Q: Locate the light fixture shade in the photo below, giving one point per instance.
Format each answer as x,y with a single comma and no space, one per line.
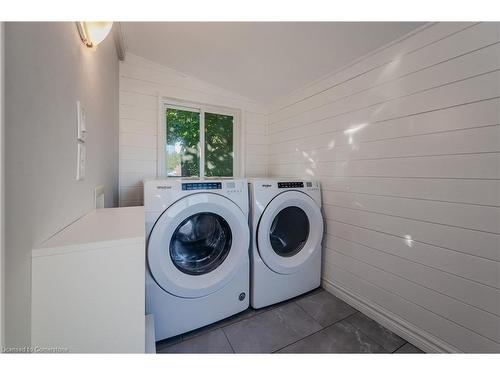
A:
93,33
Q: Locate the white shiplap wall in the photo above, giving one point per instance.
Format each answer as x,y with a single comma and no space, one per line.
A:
406,144
142,82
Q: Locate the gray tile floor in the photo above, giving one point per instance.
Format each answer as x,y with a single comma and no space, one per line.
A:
316,322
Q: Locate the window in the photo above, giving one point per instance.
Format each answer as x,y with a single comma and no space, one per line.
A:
183,137
197,142
218,145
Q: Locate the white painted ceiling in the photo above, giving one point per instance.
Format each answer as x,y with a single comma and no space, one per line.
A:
260,60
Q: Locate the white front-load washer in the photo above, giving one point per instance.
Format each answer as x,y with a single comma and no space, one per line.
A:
287,230
197,252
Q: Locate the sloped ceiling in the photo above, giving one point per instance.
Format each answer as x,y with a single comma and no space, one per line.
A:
260,60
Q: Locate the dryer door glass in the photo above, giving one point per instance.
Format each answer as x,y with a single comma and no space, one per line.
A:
200,243
289,231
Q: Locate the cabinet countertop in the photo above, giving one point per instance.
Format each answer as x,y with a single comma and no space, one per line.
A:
97,229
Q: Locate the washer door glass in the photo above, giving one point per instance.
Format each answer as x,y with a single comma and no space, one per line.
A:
289,231
200,243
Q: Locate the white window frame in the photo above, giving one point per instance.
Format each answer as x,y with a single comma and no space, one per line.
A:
165,103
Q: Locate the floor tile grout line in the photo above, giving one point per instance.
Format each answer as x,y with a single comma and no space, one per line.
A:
227,338
322,329
305,309
320,322
399,347
192,338
296,341
373,338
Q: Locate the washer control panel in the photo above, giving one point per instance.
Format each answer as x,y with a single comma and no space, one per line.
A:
201,186
290,185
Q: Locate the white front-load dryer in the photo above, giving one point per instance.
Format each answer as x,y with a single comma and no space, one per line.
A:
197,252
287,230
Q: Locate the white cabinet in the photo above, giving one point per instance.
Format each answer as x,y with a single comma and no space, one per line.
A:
88,285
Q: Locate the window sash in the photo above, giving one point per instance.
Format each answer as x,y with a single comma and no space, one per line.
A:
202,109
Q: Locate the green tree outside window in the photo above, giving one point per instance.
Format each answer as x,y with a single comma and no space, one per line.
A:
182,144
183,137
218,145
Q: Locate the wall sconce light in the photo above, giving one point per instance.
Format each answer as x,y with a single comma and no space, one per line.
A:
93,33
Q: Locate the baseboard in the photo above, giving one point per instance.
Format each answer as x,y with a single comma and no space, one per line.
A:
411,333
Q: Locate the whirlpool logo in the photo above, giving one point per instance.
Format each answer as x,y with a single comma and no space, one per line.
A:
164,187
266,185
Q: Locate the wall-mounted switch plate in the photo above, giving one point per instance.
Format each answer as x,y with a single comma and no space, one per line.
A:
81,156
81,132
